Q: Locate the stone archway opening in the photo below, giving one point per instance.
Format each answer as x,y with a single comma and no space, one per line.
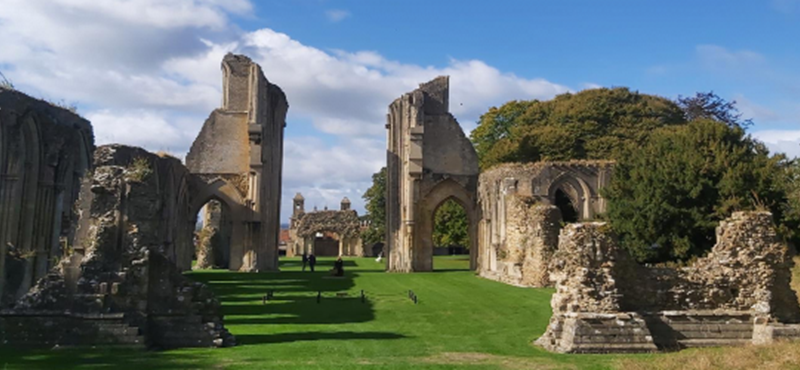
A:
450,236
569,213
326,244
213,235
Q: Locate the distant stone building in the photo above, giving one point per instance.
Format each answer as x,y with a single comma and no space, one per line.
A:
239,155
326,232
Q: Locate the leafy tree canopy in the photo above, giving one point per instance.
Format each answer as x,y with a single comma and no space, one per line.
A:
450,225
668,195
591,124
375,198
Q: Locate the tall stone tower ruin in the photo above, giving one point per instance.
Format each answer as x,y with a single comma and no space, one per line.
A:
239,155
429,161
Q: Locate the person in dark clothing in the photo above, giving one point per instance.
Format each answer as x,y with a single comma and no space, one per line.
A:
312,260
338,267
305,261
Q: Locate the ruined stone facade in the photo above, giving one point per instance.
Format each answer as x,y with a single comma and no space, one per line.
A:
239,154
429,160
44,152
522,215
122,283
605,302
306,228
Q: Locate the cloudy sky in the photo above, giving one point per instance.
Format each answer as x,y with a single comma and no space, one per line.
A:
146,72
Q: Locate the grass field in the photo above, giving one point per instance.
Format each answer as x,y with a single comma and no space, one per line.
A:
461,321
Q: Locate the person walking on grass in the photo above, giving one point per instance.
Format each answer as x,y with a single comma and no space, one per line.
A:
312,260
305,260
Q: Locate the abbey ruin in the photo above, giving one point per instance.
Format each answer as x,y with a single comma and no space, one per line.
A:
429,160
94,246
94,241
239,156
604,301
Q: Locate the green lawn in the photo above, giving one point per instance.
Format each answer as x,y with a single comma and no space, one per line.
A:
461,321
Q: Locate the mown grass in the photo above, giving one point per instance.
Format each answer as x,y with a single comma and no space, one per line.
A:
460,322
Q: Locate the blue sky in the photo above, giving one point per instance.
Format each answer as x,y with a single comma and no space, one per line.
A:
146,72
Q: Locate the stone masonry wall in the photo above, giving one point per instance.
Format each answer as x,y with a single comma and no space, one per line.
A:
504,237
531,240
604,302
134,232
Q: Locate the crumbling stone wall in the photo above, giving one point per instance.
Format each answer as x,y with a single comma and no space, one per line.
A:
531,239
44,152
520,220
133,241
429,160
604,302
241,146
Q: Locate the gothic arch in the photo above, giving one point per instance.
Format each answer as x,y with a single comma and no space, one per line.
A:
227,194
579,193
438,195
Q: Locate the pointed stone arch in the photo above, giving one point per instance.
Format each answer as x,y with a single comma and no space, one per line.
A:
579,193
443,191
226,193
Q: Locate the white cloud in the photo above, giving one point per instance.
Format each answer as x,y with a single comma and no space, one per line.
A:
750,110
716,57
147,73
781,141
785,6
337,15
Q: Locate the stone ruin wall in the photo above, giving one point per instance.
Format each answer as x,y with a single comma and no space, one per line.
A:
241,145
604,302
44,152
429,160
123,284
518,232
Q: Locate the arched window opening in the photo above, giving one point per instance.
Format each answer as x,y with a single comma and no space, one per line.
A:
569,213
326,244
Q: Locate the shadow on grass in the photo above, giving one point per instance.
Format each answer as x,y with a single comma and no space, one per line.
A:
96,358
252,339
294,299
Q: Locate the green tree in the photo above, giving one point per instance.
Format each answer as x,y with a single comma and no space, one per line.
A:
450,225
667,196
591,124
710,106
375,205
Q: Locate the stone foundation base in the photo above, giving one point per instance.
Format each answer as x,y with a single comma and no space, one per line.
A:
631,332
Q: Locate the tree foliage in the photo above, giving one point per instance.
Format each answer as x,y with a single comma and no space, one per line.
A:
707,105
591,124
667,196
682,165
375,205
450,225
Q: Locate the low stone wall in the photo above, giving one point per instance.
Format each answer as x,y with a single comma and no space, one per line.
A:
605,302
126,265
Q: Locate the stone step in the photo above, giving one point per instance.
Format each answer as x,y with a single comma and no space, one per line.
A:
612,339
615,348
696,343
